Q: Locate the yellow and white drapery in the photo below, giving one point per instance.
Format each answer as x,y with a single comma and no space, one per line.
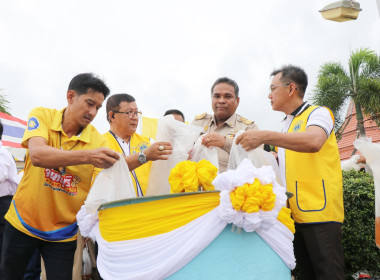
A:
154,239
274,226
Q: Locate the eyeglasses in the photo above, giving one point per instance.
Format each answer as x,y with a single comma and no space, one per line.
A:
272,87
130,114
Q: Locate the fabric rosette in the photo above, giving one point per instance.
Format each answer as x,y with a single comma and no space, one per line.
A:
188,176
251,198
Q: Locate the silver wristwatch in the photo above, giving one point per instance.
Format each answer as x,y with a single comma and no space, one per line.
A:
141,158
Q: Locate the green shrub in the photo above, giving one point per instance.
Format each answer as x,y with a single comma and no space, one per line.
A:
360,251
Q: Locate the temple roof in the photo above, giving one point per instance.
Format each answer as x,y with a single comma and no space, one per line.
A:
345,144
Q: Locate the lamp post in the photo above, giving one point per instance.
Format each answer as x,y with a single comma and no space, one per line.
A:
341,11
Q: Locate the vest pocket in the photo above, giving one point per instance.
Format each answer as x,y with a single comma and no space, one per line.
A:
311,195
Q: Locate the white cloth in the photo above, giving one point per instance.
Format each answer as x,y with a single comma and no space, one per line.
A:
351,164
258,157
319,117
371,152
8,173
111,184
265,223
182,137
280,239
200,152
157,257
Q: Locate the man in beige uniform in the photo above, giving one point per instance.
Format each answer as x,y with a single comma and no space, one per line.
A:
223,125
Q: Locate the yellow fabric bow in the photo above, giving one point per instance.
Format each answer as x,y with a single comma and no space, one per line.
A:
285,218
253,197
187,176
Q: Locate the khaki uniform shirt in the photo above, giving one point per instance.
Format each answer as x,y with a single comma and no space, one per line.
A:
228,129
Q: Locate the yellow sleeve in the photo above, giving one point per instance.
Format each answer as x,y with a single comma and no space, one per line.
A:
37,126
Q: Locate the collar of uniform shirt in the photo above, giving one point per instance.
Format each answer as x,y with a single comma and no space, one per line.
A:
230,121
298,110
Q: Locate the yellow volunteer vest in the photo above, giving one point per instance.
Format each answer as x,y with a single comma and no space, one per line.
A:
137,144
315,179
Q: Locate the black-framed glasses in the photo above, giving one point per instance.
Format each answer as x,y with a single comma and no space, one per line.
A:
130,114
272,87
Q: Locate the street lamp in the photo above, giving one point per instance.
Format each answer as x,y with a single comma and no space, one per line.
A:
341,11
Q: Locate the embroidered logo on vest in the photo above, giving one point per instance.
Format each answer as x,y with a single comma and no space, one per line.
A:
140,147
297,126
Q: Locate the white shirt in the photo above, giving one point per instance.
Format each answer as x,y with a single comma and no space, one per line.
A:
125,146
8,173
319,117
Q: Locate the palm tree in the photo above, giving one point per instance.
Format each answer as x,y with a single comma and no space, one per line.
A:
361,84
4,104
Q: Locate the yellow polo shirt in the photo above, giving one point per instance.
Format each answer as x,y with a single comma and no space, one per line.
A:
47,200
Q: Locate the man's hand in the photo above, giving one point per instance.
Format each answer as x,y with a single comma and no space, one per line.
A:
309,141
45,156
274,154
361,159
103,157
158,151
213,139
251,139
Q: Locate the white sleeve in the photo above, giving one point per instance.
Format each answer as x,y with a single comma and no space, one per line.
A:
321,117
4,167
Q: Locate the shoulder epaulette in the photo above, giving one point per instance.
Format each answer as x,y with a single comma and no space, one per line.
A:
245,121
201,116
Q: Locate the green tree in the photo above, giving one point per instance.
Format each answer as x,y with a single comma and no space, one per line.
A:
361,84
4,104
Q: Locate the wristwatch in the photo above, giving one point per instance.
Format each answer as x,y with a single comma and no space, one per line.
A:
141,158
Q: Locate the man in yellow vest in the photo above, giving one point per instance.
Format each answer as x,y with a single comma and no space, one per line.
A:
310,167
139,151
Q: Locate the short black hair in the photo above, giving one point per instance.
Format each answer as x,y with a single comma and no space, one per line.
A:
84,82
227,81
113,102
174,112
293,74
1,130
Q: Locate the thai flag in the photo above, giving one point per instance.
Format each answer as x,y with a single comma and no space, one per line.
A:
13,130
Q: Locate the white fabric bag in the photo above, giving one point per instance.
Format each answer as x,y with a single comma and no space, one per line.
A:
371,152
182,137
86,264
200,152
258,157
351,164
111,184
